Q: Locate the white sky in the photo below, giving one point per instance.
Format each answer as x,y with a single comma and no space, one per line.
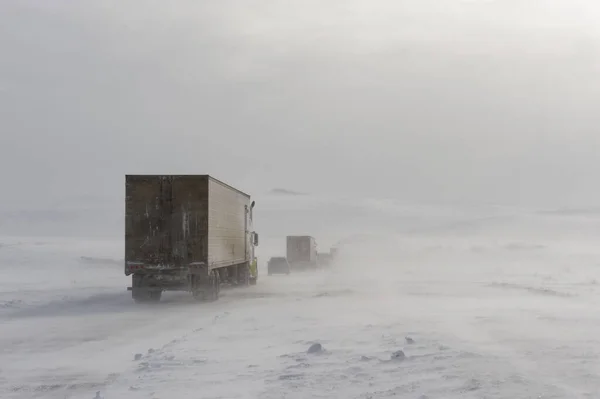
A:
495,101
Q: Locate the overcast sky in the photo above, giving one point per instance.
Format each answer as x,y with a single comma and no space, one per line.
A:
495,101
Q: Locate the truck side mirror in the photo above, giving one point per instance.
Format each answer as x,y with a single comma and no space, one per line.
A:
255,239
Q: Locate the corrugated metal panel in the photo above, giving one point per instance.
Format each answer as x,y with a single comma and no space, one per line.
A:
189,218
146,238
227,228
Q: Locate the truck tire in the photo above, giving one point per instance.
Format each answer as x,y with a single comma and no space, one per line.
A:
196,289
244,275
138,295
142,295
218,282
140,292
214,282
155,296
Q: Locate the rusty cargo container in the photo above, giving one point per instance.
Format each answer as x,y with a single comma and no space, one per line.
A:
301,252
187,233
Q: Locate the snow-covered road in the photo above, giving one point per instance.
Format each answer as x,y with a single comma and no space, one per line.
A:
490,318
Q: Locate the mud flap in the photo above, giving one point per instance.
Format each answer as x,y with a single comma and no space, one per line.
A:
206,288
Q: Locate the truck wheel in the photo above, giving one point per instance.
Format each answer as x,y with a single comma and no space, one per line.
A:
197,293
214,282
198,290
138,296
141,295
244,275
217,283
154,296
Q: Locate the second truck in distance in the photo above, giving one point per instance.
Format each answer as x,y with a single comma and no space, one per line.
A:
301,252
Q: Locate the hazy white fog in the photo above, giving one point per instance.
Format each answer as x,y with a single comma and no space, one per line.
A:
478,101
450,147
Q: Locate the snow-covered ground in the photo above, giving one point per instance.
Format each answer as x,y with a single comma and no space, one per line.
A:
499,303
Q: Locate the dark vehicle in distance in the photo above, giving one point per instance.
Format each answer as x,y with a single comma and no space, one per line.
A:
278,265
